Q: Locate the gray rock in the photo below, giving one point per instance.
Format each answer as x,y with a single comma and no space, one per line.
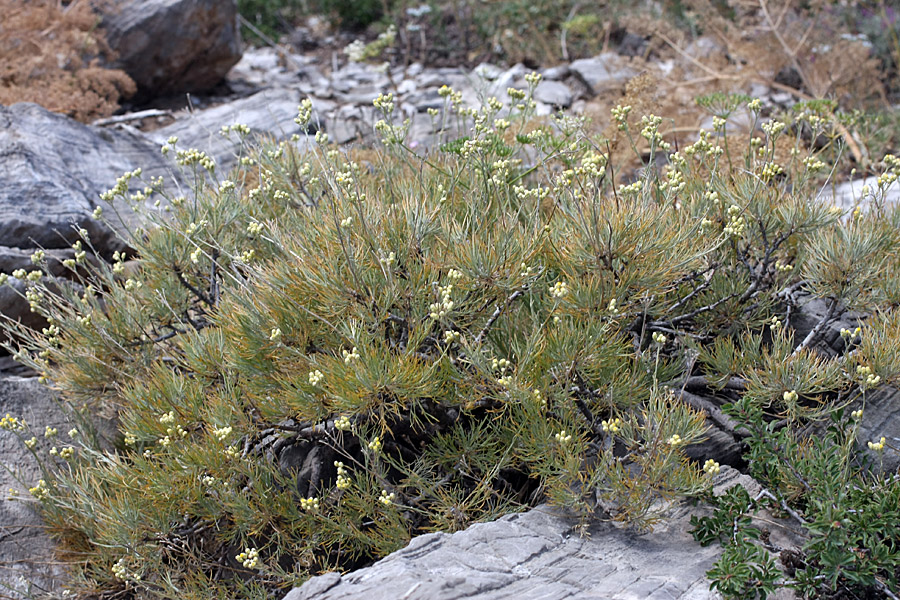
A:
426,99
438,77
20,258
604,71
541,555
739,122
809,312
632,45
349,123
15,307
53,172
361,94
848,194
487,71
26,551
407,86
553,93
268,67
530,556
270,112
881,417
174,46
556,73
704,47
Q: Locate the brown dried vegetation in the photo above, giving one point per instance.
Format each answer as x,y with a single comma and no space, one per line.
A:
52,53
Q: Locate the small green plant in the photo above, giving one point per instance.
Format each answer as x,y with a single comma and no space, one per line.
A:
325,352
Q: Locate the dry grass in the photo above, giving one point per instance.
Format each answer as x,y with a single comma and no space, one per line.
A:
51,53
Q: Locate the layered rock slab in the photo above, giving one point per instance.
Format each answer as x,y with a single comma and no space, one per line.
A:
52,172
537,555
26,550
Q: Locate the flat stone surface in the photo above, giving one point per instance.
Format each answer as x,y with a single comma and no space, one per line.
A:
604,71
536,555
554,93
270,112
26,551
540,555
849,194
52,172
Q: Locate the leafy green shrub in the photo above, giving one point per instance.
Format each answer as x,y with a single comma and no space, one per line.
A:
326,352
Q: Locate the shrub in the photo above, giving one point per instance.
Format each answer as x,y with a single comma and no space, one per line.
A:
51,55
326,352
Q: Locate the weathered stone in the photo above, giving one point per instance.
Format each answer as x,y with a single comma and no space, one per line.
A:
270,112
26,551
810,311
604,71
15,307
53,172
739,122
174,46
881,417
487,71
848,194
20,258
556,73
426,99
539,555
553,93
268,67
350,123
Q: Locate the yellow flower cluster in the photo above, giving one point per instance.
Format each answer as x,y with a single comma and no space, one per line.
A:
711,467
559,289
309,504
877,446
343,481
620,116
250,557
612,426
386,498
650,131
192,156
12,423
870,379
222,433
736,223
440,309
40,491
120,571
563,438
315,377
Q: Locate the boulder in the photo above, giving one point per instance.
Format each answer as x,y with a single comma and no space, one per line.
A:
53,172
603,72
173,46
26,551
269,112
554,93
849,194
539,554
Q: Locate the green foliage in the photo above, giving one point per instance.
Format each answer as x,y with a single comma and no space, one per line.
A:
847,516
325,352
